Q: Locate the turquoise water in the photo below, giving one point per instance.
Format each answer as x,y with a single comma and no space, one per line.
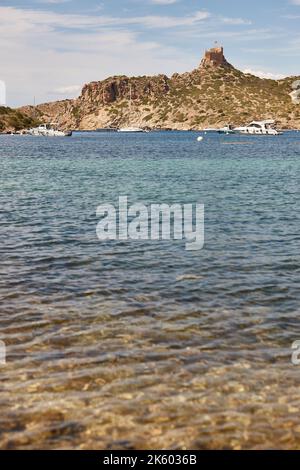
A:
144,344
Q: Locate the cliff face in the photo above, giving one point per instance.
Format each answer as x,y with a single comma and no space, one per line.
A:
214,94
114,89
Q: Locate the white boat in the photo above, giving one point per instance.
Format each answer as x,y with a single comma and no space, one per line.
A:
130,128
46,130
227,130
210,129
259,128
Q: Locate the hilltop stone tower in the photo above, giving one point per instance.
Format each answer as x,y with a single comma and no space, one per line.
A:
214,58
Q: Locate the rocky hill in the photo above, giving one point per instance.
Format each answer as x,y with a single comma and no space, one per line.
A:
214,94
14,120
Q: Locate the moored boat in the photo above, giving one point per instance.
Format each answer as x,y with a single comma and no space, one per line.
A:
227,130
46,130
266,127
210,129
130,129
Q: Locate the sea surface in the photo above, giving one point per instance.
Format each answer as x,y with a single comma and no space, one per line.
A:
142,344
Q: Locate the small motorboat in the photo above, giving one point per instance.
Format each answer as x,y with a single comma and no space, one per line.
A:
259,128
130,129
47,130
210,129
227,130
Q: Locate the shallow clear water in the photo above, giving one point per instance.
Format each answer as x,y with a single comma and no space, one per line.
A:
143,344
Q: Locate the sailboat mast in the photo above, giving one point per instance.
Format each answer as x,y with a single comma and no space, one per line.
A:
34,108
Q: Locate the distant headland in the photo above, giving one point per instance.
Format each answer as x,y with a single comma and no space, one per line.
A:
213,94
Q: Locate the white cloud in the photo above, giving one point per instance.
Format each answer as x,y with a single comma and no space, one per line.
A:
45,50
235,21
262,74
69,90
292,17
170,21
14,20
53,2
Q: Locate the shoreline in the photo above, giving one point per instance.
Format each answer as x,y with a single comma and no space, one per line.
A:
151,130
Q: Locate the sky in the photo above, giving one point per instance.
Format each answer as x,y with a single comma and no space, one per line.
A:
51,48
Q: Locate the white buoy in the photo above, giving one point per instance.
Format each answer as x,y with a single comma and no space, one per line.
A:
200,138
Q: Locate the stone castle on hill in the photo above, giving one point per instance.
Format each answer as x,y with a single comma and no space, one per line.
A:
212,95
214,57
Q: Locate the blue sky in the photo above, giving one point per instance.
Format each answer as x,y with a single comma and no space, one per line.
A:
50,48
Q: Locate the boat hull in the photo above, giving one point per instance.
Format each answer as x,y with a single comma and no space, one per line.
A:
131,130
259,128
49,133
259,132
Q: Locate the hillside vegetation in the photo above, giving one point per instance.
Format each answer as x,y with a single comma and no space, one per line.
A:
214,94
14,120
